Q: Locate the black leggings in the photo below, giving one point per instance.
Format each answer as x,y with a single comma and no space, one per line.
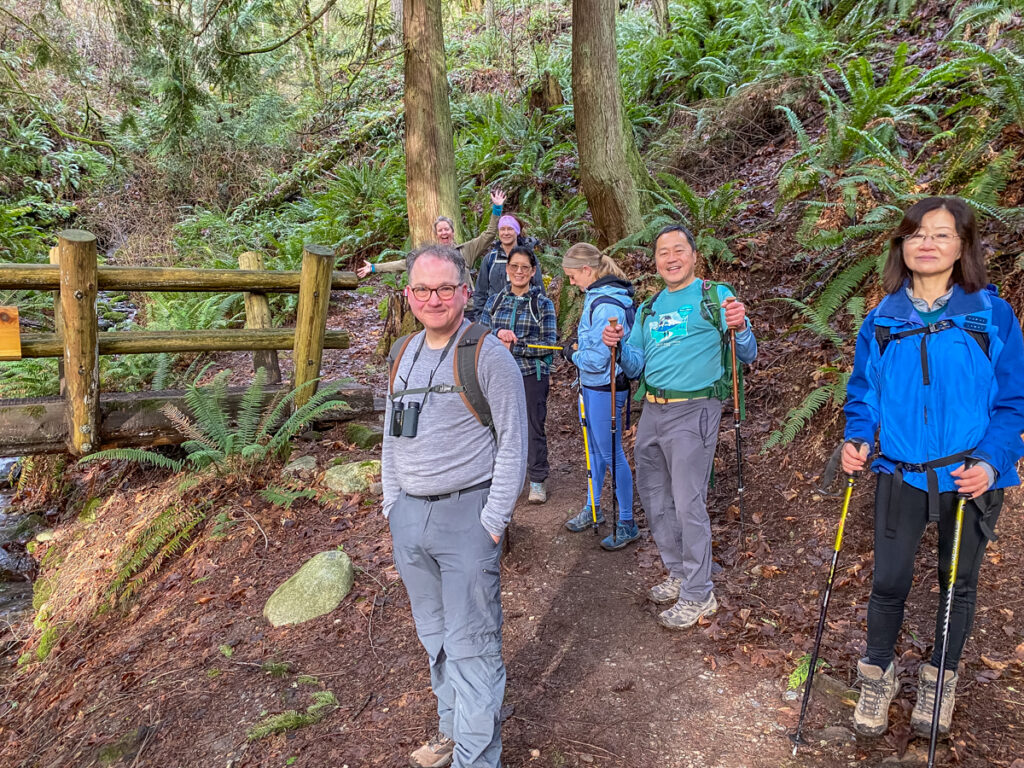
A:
894,567
536,414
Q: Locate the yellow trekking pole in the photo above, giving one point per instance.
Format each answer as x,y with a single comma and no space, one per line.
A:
542,346
590,472
797,741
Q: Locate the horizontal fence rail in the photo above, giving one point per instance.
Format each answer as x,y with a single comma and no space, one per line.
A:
152,342
46,277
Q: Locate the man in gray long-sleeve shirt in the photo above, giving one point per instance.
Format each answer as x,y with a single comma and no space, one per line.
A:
449,492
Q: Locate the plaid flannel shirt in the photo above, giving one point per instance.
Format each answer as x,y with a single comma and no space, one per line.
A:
532,319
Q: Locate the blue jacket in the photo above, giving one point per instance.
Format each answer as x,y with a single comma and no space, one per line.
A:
971,401
593,358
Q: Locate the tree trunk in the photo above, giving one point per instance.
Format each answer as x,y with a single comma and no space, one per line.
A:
396,17
430,185
546,93
661,18
604,144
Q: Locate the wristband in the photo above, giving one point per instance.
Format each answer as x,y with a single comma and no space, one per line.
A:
373,267
495,210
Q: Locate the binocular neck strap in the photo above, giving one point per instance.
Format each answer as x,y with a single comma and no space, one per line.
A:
431,387
441,388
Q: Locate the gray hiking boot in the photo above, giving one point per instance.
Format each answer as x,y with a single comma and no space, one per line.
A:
666,592
921,717
583,520
538,493
436,753
686,613
871,717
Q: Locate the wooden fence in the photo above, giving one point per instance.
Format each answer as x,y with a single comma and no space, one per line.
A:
82,419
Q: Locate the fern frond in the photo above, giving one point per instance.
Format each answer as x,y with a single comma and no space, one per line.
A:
137,455
251,408
797,418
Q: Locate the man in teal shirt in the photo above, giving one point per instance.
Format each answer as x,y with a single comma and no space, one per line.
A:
678,350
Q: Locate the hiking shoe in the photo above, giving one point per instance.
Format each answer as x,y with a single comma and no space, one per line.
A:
583,520
538,493
921,717
871,717
666,592
436,753
625,533
686,613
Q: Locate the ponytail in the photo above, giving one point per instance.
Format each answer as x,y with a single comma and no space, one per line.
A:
587,255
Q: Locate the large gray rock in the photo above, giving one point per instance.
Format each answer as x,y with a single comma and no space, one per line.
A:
315,589
354,477
304,465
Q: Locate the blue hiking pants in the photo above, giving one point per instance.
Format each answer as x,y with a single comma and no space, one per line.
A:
598,408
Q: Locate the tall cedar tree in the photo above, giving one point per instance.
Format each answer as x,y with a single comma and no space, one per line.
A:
604,143
431,190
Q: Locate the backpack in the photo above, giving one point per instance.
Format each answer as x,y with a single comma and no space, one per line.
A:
710,310
464,365
629,309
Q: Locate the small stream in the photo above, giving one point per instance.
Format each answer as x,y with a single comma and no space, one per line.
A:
16,565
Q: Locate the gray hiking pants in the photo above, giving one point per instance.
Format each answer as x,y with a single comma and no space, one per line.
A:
449,564
675,447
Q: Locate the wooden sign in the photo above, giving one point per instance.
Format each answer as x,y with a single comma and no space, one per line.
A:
10,335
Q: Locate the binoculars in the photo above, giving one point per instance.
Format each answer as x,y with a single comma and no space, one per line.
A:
405,419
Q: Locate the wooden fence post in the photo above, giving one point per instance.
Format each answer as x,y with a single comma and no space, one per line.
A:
257,315
311,318
78,287
58,321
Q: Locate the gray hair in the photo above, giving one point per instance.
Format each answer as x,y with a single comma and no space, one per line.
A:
443,252
439,219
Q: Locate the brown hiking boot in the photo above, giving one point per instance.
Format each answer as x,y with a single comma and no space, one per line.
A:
436,753
921,717
871,717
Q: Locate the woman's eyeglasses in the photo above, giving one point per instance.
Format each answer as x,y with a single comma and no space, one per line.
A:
519,267
942,238
444,292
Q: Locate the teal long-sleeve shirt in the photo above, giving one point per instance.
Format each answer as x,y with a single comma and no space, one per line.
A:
677,348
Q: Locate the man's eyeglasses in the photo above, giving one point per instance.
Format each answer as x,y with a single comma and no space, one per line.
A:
444,292
942,238
519,267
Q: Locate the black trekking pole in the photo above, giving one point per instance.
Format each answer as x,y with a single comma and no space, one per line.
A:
797,741
958,527
613,321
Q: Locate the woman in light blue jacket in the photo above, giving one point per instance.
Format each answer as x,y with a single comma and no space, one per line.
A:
607,294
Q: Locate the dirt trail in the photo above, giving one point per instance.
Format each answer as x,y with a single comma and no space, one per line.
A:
592,675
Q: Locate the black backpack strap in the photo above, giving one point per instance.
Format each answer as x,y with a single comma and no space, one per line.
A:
884,334
629,309
394,355
467,357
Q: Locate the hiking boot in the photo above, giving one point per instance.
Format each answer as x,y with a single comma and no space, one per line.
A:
921,717
538,493
666,592
583,520
436,753
871,717
625,533
686,613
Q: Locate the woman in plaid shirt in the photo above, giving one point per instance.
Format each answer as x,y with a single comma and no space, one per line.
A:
521,314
